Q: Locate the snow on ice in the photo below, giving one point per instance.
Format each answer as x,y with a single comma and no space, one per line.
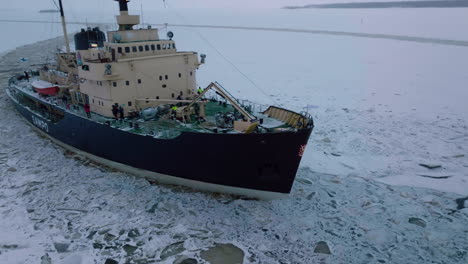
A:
381,108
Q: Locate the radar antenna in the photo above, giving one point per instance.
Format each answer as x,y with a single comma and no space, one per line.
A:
126,21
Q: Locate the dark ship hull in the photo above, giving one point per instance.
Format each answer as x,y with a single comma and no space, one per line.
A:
262,165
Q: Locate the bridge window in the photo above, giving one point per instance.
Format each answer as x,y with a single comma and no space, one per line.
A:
127,83
146,48
134,49
114,84
160,78
119,50
167,77
129,103
180,75
85,67
140,48
139,80
153,47
127,49
159,46
173,45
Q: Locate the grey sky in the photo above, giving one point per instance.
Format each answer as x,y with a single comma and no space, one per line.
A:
81,4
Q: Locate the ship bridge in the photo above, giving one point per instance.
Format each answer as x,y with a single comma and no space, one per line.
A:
134,64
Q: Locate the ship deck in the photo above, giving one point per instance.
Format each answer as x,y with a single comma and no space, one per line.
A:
158,128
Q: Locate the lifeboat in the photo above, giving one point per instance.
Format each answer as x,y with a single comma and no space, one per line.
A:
45,88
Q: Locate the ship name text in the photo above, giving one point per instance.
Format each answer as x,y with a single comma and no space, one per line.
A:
40,124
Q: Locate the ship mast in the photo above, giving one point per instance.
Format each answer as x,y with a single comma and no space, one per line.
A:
64,26
126,21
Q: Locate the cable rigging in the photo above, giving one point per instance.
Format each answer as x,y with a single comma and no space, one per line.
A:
220,53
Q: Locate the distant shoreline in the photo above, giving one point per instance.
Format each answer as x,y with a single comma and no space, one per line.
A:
391,4
48,11
8,9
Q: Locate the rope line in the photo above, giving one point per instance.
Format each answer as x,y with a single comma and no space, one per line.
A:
222,56
56,5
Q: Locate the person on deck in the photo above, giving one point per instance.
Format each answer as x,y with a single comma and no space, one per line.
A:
200,90
174,111
121,112
115,111
65,100
87,110
26,75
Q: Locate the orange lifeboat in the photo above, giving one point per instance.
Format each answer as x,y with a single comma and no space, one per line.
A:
45,88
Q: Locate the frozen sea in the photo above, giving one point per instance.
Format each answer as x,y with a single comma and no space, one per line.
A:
382,106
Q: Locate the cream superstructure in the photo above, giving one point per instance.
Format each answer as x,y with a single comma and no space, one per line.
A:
135,69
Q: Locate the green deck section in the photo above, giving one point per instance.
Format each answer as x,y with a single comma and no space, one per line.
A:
212,108
158,128
168,128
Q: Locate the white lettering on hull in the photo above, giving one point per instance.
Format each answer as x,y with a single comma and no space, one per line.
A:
40,124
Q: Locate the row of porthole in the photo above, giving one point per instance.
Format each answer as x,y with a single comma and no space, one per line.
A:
167,77
127,83
130,103
172,95
151,47
102,103
99,103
